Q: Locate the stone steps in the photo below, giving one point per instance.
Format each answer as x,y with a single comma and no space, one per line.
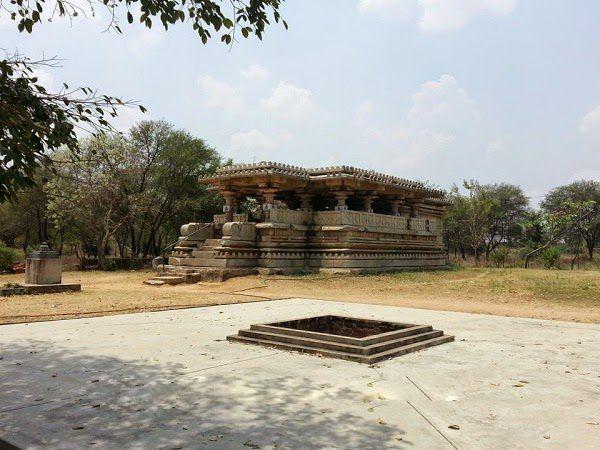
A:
366,359
181,274
411,330
165,279
350,338
318,344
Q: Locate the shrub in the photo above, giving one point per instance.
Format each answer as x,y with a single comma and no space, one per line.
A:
7,257
109,265
551,257
499,257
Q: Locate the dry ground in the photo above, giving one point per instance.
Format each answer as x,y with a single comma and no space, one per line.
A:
544,294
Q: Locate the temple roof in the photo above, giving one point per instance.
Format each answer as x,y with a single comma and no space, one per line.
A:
282,174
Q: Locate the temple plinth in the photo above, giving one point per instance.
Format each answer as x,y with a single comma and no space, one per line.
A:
333,218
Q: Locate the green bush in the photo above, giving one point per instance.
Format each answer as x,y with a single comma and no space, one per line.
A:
500,256
109,265
551,257
7,257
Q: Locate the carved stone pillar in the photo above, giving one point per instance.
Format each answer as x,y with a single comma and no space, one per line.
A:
341,197
395,206
237,204
367,202
229,205
414,210
305,202
268,195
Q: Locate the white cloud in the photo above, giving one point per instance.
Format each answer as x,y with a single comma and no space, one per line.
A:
145,39
448,15
363,112
590,123
442,115
289,101
256,145
437,16
590,129
496,146
219,94
255,72
390,9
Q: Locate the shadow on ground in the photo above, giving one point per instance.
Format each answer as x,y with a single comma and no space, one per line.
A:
64,397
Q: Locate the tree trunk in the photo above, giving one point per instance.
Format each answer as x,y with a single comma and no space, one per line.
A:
590,244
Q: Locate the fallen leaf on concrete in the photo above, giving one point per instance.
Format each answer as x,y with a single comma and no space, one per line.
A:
518,385
381,422
546,436
593,423
454,427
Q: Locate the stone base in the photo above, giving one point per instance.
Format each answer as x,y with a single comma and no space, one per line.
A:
177,274
34,289
360,340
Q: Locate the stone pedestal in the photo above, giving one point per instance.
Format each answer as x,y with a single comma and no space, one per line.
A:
43,266
43,274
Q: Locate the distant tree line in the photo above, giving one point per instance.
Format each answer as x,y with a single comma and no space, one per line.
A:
486,221
121,194
127,196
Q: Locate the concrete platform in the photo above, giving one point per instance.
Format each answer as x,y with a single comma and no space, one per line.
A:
170,380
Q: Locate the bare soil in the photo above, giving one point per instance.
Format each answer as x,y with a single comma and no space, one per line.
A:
544,294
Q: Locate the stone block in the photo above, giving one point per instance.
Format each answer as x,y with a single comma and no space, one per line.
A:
242,231
43,266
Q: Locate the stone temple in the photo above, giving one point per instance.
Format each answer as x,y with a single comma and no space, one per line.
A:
279,218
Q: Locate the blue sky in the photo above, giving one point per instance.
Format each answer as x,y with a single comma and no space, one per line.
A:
438,90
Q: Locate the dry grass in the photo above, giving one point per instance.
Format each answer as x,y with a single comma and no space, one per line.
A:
561,295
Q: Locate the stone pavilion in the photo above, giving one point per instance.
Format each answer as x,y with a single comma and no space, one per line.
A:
279,218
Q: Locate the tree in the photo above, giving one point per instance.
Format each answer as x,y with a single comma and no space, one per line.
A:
160,184
34,122
560,200
134,191
490,215
566,225
84,196
24,220
205,16
507,211
454,223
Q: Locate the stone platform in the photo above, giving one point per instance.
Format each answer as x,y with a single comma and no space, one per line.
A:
170,379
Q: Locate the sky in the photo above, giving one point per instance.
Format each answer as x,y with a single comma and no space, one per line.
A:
435,90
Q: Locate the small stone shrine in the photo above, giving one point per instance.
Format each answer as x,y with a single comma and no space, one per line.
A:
43,274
